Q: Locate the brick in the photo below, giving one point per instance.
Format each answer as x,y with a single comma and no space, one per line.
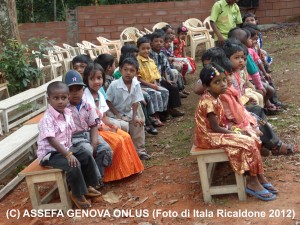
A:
143,20
160,13
103,22
279,5
285,12
274,12
90,23
98,29
130,21
155,20
116,21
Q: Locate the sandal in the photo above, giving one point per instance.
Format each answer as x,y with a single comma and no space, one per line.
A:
269,187
80,204
284,149
92,192
273,110
260,194
158,123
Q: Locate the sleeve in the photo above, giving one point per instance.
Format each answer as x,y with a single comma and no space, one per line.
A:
102,91
239,16
207,106
46,128
138,96
110,93
93,117
215,11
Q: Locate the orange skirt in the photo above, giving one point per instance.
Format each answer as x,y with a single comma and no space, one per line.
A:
125,160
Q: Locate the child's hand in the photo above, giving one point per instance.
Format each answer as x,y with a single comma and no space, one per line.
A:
73,162
171,59
253,101
170,82
137,122
155,87
268,77
118,116
95,144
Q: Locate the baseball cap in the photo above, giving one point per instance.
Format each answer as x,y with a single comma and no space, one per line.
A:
73,78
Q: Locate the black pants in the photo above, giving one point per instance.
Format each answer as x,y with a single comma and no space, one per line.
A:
79,178
174,97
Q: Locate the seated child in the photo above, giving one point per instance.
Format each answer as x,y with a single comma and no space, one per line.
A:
123,97
86,121
163,66
211,133
149,77
55,146
107,62
125,160
179,50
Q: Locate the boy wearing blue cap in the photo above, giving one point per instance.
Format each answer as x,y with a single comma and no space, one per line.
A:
86,119
55,147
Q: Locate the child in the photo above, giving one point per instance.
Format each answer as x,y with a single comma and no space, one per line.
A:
211,133
180,67
79,63
55,146
149,77
107,62
126,50
179,50
86,121
250,18
225,15
125,160
166,73
123,97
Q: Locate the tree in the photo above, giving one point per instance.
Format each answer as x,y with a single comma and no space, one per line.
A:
8,21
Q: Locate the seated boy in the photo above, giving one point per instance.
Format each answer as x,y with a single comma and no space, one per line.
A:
55,147
86,119
123,97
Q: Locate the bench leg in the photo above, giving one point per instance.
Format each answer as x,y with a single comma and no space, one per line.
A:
63,190
204,179
5,121
33,192
240,183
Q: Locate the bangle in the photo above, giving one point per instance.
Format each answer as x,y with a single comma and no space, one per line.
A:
237,130
69,154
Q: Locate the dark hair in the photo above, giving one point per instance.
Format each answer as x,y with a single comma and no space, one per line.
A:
90,70
82,59
142,40
131,61
56,85
159,33
129,49
165,28
209,71
239,34
182,29
212,52
231,46
169,37
247,15
250,30
105,60
250,25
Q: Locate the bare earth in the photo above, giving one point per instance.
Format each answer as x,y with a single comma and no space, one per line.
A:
169,191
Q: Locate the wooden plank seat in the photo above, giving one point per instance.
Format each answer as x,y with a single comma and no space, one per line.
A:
207,159
21,107
36,174
17,148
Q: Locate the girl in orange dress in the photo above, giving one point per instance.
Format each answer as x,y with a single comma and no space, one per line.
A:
211,132
125,161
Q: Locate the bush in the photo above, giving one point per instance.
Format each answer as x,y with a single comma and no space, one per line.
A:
16,64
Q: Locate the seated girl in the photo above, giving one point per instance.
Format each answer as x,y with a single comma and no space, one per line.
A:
211,132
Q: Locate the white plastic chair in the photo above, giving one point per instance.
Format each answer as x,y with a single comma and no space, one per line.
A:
159,25
67,57
130,34
197,34
43,68
113,45
206,23
71,50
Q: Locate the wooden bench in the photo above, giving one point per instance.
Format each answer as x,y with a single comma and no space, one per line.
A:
4,88
207,159
17,148
36,174
17,109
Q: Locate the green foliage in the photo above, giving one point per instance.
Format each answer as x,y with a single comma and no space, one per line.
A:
45,10
17,66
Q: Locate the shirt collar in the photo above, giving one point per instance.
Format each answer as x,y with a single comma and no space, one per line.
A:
122,85
56,114
224,3
143,59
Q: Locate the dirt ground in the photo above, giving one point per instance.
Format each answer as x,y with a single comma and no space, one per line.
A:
169,191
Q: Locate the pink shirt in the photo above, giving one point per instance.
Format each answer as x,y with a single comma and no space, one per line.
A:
84,118
254,55
55,124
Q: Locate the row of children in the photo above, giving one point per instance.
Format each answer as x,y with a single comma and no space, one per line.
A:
224,120
94,126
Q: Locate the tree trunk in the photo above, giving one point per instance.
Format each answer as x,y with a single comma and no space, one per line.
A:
8,21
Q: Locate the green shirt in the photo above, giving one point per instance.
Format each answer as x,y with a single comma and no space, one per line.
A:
225,17
117,74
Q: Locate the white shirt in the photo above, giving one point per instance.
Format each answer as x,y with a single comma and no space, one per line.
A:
121,98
